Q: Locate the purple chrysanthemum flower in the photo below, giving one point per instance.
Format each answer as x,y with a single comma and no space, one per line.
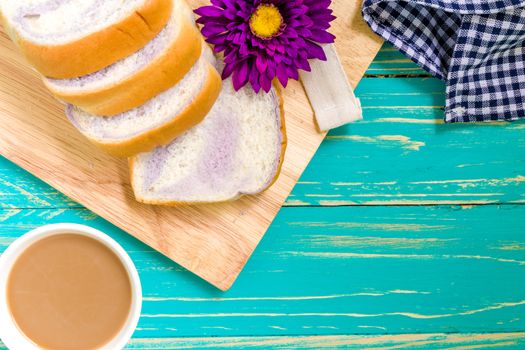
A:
264,39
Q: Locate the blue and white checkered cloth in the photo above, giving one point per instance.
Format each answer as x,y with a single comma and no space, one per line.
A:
476,46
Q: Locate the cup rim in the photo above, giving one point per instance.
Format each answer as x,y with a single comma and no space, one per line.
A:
12,336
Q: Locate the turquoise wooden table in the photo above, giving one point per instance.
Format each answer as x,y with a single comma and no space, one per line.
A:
402,233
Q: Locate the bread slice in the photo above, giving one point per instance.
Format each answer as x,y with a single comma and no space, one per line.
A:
71,38
159,120
136,79
238,149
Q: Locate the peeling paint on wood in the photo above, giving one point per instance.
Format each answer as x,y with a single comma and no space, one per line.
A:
332,271
401,341
408,341
390,62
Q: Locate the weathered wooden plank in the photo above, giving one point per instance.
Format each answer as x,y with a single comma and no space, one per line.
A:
343,270
19,189
404,341
401,153
390,62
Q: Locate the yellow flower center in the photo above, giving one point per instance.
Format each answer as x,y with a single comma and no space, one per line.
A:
266,21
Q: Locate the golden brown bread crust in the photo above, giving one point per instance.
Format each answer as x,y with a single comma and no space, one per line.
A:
284,140
193,114
100,49
284,144
156,77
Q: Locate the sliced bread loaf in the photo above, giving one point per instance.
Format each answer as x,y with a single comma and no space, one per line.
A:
71,38
238,149
136,79
158,121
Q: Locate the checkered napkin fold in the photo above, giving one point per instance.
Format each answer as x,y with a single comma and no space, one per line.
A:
476,46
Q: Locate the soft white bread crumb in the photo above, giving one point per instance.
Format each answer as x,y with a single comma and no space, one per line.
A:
54,22
236,150
152,114
125,68
65,39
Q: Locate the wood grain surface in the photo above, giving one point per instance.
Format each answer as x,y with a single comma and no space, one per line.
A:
338,270
416,271
213,241
409,341
375,342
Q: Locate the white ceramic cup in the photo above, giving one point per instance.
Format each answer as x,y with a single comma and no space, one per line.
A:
11,336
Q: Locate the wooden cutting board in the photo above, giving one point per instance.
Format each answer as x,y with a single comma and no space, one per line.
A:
213,241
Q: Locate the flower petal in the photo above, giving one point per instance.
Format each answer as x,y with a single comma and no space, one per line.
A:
249,59
282,75
254,80
261,63
212,29
315,51
266,82
217,39
322,36
209,11
292,73
240,75
228,70
218,3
